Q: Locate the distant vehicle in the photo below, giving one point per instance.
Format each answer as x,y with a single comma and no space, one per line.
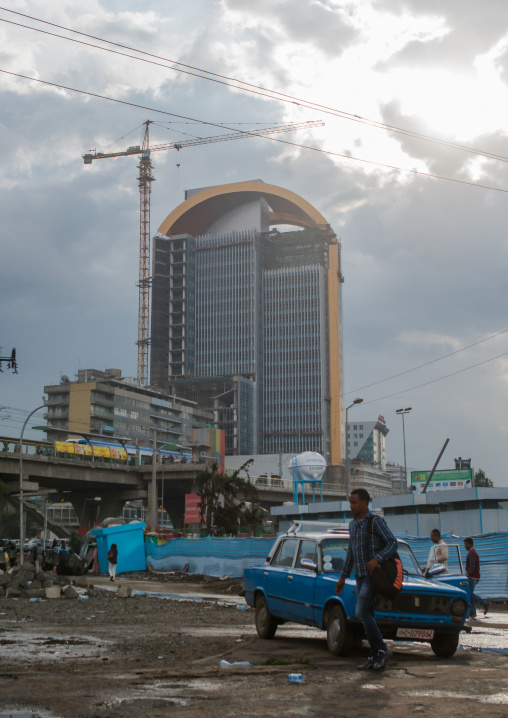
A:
297,583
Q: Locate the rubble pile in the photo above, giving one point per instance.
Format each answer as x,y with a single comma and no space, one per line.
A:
24,582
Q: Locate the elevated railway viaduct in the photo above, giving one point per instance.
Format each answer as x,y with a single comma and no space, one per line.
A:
79,482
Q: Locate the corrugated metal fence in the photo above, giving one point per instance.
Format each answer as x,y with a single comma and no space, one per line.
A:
492,550
220,556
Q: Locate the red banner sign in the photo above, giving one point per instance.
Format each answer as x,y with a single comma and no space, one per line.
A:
192,510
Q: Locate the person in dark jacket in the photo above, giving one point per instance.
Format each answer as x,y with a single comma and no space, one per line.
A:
473,574
63,559
112,561
365,554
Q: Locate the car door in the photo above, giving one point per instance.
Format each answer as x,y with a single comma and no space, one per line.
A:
301,584
280,578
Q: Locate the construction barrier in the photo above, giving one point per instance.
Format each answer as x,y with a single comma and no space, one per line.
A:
209,556
493,552
219,556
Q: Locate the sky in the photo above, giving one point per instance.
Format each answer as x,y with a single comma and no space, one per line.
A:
424,259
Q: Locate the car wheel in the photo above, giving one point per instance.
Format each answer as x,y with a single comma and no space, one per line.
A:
338,635
444,645
266,624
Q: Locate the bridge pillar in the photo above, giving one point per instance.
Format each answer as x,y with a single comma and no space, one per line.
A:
91,512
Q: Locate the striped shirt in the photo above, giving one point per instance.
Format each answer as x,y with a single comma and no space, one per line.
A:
381,545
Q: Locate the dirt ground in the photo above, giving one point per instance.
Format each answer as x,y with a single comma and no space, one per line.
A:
152,656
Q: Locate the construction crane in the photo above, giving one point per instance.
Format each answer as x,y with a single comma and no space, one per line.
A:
145,180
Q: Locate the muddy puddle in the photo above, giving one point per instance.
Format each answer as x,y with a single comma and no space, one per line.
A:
181,693
30,647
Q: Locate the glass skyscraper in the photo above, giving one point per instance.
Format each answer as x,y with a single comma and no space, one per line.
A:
246,318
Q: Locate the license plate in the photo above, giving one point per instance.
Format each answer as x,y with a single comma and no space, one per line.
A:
426,634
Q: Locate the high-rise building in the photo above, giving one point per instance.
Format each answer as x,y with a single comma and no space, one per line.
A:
101,402
246,317
366,441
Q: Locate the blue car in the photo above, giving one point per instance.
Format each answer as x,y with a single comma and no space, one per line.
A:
297,583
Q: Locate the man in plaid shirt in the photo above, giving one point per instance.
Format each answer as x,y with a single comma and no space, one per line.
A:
380,545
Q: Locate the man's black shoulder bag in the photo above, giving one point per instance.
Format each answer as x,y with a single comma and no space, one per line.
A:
386,579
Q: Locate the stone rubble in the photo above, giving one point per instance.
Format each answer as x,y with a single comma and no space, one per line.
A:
23,582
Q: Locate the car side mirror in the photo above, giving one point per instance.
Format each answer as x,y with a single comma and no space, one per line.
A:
307,563
436,570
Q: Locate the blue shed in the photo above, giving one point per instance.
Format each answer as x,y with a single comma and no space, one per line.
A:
131,548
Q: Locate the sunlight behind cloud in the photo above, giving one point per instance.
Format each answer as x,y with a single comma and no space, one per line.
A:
458,106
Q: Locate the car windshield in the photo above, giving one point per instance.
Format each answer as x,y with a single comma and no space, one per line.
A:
409,562
333,554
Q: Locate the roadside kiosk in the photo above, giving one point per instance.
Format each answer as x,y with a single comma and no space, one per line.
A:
130,542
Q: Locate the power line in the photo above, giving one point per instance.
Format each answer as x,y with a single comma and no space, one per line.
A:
420,366
433,381
255,134
241,84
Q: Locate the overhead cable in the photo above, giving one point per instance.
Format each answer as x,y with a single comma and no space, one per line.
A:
255,134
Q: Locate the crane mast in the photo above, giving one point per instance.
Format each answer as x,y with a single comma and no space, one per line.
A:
145,179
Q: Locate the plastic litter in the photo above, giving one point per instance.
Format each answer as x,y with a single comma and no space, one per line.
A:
85,598
295,678
226,664
242,608
34,600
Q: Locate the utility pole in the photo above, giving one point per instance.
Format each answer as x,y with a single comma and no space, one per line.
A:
152,494
21,513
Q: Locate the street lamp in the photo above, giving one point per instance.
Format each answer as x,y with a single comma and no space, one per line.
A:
358,400
401,412
21,517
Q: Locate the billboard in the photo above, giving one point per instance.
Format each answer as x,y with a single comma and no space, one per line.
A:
446,480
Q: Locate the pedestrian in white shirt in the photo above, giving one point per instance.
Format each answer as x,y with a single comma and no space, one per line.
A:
438,552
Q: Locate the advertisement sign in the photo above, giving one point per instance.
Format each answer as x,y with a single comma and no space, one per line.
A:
192,510
447,480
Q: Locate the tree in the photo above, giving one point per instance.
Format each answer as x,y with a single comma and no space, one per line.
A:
481,480
223,497
253,517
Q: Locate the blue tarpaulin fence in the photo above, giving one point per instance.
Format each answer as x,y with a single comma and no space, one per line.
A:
209,556
220,556
492,550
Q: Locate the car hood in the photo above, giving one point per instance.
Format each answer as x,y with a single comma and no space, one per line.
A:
425,585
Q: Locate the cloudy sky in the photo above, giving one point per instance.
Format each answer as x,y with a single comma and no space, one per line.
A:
424,259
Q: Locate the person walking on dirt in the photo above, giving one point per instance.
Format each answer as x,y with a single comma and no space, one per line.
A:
38,556
438,551
365,553
95,558
63,559
473,574
112,561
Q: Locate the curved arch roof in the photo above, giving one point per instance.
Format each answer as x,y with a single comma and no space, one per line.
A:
200,210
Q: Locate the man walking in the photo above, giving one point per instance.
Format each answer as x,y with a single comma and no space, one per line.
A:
438,551
366,553
473,574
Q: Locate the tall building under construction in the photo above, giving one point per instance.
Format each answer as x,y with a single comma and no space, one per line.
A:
246,317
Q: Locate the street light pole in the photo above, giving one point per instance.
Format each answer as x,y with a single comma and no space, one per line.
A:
152,493
21,516
358,400
402,412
